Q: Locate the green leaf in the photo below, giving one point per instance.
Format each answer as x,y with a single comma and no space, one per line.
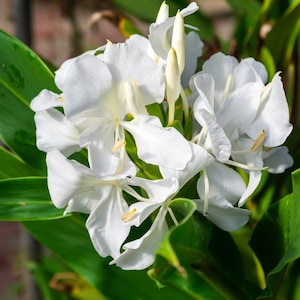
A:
184,208
194,251
13,166
281,39
276,238
69,240
22,76
26,199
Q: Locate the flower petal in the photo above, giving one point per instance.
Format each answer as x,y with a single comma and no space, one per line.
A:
67,178
53,130
221,67
222,181
273,116
200,159
158,192
159,145
139,254
84,80
226,217
106,228
122,59
216,140
46,99
277,159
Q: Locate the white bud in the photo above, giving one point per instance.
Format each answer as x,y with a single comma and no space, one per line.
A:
178,40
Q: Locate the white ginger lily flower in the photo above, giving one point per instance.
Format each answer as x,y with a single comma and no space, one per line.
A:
87,190
219,189
260,114
139,254
98,93
127,88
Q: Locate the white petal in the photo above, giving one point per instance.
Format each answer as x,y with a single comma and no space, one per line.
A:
84,81
67,178
249,70
142,211
225,217
138,41
159,145
222,181
221,67
53,130
99,132
200,159
204,85
106,228
139,254
216,139
109,166
193,50
158,192
46,99
254,179
240,109
273,116
278,160
122,60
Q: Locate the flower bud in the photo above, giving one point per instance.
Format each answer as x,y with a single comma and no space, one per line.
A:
172,76
178,40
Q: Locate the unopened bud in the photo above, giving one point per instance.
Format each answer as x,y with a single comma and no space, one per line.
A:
178,40
172,76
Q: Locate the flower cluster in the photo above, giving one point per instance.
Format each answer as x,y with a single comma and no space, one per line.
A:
147,124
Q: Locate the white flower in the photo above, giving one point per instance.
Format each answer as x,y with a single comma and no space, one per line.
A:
220,188
139,254
82,189
239,115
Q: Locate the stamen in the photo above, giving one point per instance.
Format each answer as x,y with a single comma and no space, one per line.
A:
206,192
60,98
128,215
245,167
118,145
258,142
170,211
227,87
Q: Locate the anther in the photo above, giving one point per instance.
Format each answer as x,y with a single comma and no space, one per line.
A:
258,142
128,215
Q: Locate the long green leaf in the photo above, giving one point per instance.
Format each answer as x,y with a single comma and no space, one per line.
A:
276,239
281,39
26,198
12,166
22,76
69,239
